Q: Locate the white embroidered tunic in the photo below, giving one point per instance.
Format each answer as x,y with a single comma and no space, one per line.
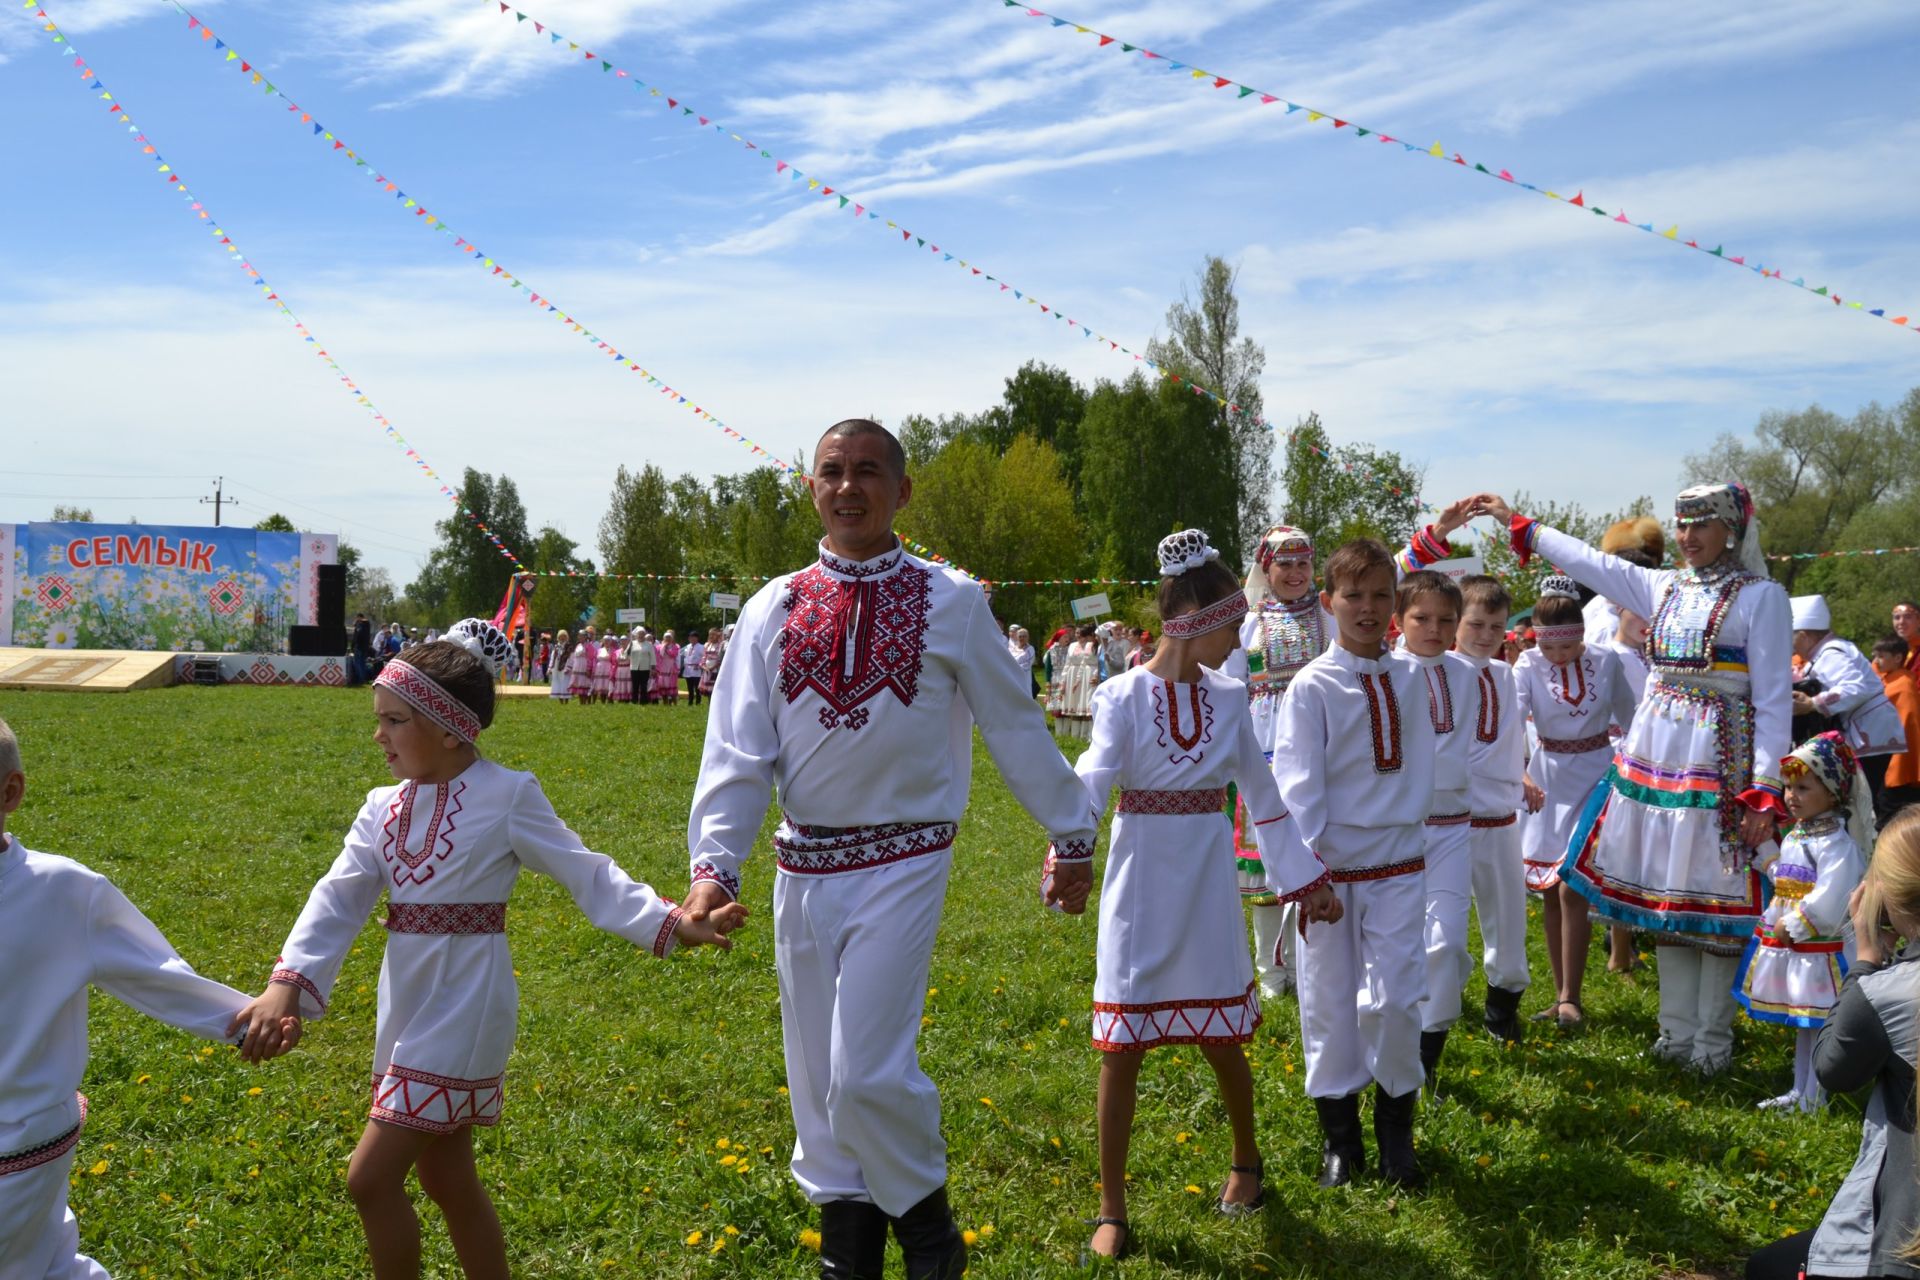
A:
1354,759
1796,981
1453,698
1574,708
1173,958
854,689
1852,692
63,927
1497,759
447,855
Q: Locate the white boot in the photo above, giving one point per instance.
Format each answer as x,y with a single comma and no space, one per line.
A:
1679,1003
1807,1093
1713,1041
1271,925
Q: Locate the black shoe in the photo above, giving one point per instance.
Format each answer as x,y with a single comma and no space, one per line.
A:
1432,1045
1343,1155
1393,1134
853,1241
1503,1013
1240,1208
931,1241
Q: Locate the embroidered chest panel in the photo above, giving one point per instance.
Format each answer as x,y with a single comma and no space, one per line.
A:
1487,727
1439,699
1687,624
1383,717
1573,686
1289,639
406,864
1183,726
849,641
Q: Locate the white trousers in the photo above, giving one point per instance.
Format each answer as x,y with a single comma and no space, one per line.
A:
1361,984
1449,880
1697,1007
853,951
39,1239
1500,898
1273,934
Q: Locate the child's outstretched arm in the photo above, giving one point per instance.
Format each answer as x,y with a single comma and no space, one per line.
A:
608,896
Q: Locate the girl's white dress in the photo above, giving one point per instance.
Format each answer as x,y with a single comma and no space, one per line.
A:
1797,982
1082,675
562,677
447,856
1574,708
1173,962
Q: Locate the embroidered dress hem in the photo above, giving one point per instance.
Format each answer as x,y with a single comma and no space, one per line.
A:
1128,1028
435,1104
1795,984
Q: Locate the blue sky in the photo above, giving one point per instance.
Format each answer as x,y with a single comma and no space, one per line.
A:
1498,338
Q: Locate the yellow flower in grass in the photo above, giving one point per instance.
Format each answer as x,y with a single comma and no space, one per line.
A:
1484,1161
733,1230
695,1237
721,1145
143,1078
810,1239
970,1238
1180,1138
98,1167
255,1092
1193,1190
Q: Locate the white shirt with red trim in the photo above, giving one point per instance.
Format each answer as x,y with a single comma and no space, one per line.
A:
1453,703
1497,759
854,689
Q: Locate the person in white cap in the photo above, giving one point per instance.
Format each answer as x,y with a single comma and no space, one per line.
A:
1851,692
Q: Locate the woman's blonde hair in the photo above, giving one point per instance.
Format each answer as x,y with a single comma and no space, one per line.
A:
1893,869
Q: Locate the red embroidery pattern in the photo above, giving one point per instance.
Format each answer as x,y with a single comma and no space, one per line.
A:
432,701
1222,613
1564,691
847,641
1126,1027
1487,728
435,1104
1075,850
663,941
46,1152
294,978
813,851
1575,746
1449,819
1300,894
1439,698
1175,803
446,917
407,864
1166,718
704,870
1386,871
1494,824
1386,725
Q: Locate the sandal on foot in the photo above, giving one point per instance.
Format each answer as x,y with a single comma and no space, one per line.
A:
1120,1250
1579,1018
1240,1208
1548,1014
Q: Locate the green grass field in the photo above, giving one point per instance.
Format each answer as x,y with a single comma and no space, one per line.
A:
645,1132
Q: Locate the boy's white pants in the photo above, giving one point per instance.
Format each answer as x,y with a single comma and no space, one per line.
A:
853,950
1361,983
1449,884
1500,897
1274,927
39,1239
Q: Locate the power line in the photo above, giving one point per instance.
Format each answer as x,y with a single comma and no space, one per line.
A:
107,475
343,521
104,497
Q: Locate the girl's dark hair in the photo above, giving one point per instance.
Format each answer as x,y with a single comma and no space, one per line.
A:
1195,589
1557,611
458,672
1085,630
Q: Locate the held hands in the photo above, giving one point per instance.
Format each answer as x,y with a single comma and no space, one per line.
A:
1491,504
1803,704
1069,885
1322,906
270,1021
1455,515
1535,798
1756,828
709,928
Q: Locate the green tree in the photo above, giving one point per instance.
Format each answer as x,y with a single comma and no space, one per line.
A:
465,574
76,515
1495,547
638,534
1156,458
1336,493
276,523
1046,404
558,601
1204,345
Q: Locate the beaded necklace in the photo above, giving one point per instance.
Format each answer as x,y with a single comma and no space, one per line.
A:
1687,623
1292,634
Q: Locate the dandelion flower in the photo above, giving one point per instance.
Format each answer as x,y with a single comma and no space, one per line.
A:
986,1231
1180,1139
255,1092
986,1102
970,1238
1054,1141
721,1145
99,1167
733,1230
1484,1161
810,1239
1192,1190
143,1078
695,1237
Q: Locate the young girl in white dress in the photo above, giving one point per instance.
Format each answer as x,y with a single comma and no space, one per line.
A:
445,845
1798,955
1173,965
1575,694
580,666
558,659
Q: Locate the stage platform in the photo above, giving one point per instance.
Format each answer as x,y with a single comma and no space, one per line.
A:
85,670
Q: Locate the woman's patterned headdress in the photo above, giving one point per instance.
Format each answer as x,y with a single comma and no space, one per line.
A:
1729,503
1283,543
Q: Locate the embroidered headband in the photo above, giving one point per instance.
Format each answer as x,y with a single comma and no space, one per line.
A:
426,696
1730,504
1558,584
1557,635
1283,543
481,639
1828,758
1225,612
1187,549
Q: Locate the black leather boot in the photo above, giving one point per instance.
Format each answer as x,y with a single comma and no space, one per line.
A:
853,1241
931,1241
1343,1155
1503,1013
1393,1134
1432,1045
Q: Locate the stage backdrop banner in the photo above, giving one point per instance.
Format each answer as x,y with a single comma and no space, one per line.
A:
148,586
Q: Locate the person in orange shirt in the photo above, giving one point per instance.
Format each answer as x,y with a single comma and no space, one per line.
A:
1903,771
1906,625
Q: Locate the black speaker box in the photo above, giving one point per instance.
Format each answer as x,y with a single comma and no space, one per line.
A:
331,608
316,642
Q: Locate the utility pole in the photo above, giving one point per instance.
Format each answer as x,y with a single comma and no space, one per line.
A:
217,499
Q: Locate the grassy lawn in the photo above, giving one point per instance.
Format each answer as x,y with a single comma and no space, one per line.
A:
645,1123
